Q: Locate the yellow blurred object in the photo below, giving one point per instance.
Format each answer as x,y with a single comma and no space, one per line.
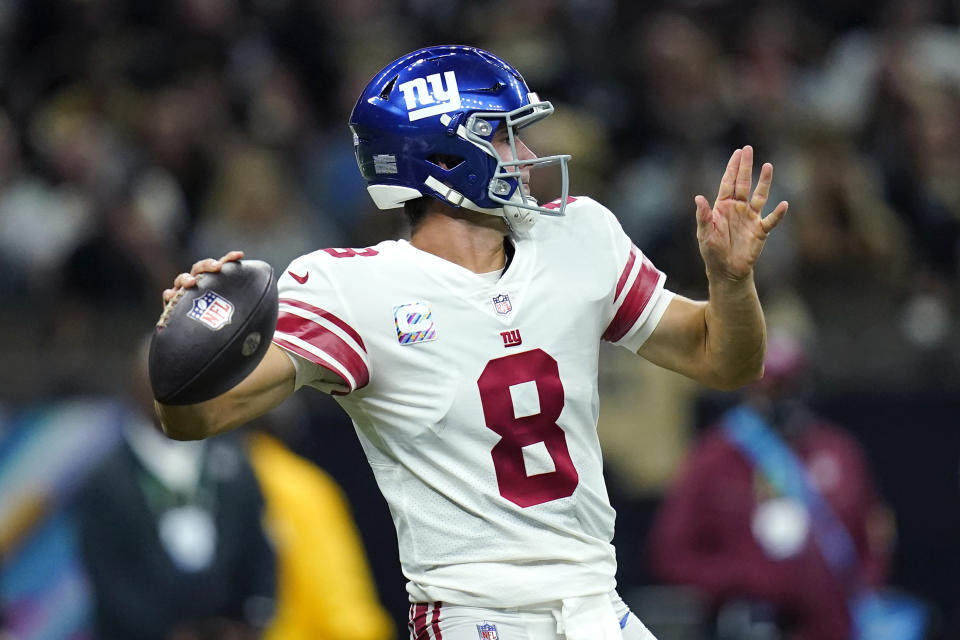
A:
21,518
325,590
643,448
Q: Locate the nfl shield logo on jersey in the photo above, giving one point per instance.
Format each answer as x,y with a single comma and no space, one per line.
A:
502,304
487,631
212,309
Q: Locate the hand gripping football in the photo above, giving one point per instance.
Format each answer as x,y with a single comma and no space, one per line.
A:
211,336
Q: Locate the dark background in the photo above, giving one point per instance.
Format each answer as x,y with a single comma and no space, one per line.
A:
138,137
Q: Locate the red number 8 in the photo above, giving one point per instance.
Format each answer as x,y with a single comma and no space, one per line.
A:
498,412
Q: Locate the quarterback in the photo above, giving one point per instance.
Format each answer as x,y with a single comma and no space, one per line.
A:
467,356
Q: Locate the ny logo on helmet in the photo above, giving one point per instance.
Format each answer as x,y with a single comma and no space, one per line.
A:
432,100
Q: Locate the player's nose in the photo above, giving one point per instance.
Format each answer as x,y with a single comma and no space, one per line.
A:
524,152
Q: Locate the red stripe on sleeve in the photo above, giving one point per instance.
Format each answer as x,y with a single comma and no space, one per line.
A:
436,622
289,346
626,272
327,315
322,338
634,303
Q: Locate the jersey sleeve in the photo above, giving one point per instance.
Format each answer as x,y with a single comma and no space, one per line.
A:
637,297
314,328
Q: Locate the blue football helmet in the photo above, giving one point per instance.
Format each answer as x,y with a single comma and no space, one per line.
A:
446,102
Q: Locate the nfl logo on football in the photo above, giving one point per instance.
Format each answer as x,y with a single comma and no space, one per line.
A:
211,309
502,304
487,631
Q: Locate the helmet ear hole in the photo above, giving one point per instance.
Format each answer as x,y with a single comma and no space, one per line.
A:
445,161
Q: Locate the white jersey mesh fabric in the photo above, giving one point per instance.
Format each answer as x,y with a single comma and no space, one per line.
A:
476,401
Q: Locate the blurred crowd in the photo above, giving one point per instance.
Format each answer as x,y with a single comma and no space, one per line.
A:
138,137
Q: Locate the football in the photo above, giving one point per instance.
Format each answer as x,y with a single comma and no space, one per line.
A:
212,335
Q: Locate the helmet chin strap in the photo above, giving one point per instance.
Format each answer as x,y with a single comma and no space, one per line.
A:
518,218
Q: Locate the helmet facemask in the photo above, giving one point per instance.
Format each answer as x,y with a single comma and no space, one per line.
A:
506,185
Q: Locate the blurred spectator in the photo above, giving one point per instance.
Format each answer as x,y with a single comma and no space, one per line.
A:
41,217
133,249
896,84
846,229
252,205
171,535
643,460
321,563
45,453
216,113
775,517
110,530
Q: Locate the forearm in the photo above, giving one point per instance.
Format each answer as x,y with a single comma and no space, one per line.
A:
735,332
211,418
270,383
190,422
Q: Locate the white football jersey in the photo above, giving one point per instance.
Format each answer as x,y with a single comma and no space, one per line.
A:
476,399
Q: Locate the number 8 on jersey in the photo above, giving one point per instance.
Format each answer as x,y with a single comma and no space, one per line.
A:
517,432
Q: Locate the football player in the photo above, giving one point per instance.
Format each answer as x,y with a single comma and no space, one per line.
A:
467,356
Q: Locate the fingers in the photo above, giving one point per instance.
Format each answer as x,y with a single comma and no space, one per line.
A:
232,256
209,265
738,176
772,220
703,209
182,281
762,192
744,181
729,176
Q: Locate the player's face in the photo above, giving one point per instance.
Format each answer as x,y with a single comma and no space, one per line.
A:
501,143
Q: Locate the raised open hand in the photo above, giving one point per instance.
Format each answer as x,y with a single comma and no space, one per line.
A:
732,234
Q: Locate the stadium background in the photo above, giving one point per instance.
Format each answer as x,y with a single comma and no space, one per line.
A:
138,137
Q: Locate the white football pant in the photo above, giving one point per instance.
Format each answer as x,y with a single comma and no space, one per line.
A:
604,617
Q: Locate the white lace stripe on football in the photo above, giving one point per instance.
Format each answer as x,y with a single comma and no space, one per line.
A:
317,356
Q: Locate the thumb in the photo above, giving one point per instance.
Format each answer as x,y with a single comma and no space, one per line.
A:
703,209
